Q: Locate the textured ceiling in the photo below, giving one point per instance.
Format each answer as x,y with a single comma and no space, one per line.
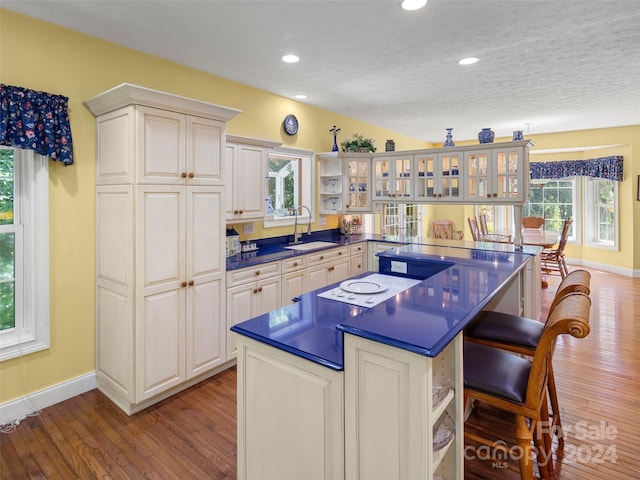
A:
557,65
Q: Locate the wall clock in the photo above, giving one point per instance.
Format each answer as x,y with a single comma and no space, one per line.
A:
290,124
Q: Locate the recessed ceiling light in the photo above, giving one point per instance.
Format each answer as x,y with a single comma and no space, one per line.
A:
413,4
468,60
290,58
301,96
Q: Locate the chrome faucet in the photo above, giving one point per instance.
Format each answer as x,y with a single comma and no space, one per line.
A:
296,234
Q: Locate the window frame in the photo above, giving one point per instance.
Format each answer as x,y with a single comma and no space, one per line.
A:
306,189
592,219
31,219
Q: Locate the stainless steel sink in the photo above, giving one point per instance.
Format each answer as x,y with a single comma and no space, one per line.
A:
311,246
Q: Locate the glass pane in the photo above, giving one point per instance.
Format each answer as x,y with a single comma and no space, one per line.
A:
6,187
284,185
7,256
7,305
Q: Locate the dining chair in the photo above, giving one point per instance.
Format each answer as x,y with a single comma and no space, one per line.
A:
534,223
511,383
445,229
473,226
482,224
553,259
521,335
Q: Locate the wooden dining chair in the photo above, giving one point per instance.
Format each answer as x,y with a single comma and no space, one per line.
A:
473,226
482,224
445,229
521,335
534,223
553,259
514,384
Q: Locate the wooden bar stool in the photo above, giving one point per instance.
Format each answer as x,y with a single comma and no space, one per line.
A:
517,385
521,335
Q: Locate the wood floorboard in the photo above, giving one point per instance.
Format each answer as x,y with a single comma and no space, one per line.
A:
192,435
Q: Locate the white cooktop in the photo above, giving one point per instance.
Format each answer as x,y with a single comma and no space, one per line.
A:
368,291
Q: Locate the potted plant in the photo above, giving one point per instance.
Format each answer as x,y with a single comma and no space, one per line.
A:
358,144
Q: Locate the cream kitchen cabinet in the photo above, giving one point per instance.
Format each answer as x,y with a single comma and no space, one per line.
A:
358,254
246,173
392,177
496,175
160,257
438,176
327,267
357,195
331,183
344,183
293,278
376,247
251,291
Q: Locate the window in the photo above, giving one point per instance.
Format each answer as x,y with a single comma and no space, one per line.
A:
290,185
401,219
24,256
555,200
600,212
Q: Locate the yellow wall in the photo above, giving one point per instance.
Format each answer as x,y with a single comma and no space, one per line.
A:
41,56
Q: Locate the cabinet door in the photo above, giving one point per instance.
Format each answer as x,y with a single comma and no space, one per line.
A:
204,151
392,178
358,264
293,284
239,308
161,146
477,164
267,297
160,312
248,166
317,277
507,174
338,271
357,191
205,279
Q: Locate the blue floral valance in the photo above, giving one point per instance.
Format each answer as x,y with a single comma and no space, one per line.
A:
36,121
609,168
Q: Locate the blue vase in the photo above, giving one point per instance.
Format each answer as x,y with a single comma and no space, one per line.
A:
517,135
486,135
449,140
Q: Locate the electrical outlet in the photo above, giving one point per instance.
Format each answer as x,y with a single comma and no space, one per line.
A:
247,228
322,221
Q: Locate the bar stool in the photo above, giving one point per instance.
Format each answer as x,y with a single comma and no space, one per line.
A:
521,335
517,385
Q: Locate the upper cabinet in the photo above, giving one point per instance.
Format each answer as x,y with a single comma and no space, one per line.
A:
471,174
344,183
496,175
392,177
141,141
246,173
438,177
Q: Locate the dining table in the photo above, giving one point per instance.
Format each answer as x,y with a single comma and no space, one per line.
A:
542,239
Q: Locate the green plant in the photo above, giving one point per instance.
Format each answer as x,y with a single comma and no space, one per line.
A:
358,144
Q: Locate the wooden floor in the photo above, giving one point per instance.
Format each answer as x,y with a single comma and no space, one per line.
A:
192,435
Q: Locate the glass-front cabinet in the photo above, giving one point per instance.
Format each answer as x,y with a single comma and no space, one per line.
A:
495,175
438,176
357,196
392,177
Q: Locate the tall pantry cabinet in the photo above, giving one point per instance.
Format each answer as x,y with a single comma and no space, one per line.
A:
160,254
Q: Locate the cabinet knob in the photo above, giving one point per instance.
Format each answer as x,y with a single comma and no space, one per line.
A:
235,212
191,174
495,195
255,290
183,284
257,272
339,253
241,212
183,174
359,266
488,195
321,257
295,264
259,289
192,283
331,268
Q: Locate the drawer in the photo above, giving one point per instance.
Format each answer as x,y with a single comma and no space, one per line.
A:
249,274
358,248
326,255
293,264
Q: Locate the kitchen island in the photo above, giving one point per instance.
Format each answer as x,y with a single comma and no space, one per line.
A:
327,389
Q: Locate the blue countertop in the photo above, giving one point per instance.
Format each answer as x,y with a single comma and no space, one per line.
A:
273,249
422,319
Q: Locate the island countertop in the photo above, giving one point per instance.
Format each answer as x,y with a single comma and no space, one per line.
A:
422,319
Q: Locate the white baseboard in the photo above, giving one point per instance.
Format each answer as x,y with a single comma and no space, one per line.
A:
628,272
21,407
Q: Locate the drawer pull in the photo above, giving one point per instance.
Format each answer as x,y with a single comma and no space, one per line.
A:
339,253
322,257
295,264
257,272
